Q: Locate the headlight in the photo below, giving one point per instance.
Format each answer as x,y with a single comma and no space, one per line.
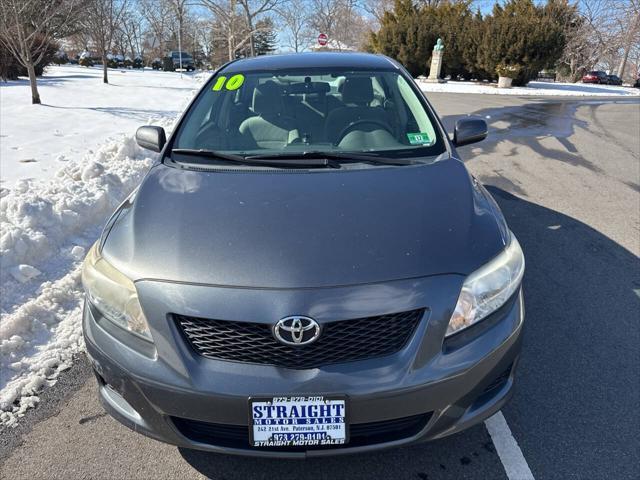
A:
488,288
113,294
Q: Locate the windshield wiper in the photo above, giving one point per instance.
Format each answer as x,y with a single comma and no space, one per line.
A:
341,157
258,160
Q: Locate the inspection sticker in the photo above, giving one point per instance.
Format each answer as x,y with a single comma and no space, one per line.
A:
297,421
420,138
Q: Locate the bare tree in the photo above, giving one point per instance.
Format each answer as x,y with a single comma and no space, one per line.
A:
252,9
132,32
157,14
589,39
203,36
628,20
376,9
237,21
229,23
325,17
28,27
296,23
101,22
584,41
353,27
341,21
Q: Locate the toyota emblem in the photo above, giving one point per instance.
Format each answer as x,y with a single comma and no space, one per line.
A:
296,330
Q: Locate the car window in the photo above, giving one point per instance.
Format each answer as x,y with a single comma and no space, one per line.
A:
320,110
419,117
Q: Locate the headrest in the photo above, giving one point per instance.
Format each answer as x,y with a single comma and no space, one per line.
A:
267,99
358,90
308,87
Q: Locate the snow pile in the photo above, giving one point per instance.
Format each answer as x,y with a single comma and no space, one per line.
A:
532,89
64,167
38,218
49,326
46,228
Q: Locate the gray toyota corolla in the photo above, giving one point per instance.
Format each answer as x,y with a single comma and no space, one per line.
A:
308,269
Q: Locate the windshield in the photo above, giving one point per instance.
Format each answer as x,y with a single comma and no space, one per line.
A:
325,110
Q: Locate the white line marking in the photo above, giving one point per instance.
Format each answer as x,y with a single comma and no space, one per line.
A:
513,461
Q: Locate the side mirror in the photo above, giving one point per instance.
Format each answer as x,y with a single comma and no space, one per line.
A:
151,138
469,130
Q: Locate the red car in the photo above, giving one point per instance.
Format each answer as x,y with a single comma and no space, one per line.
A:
596,76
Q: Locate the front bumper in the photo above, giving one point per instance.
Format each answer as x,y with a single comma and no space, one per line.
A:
156,390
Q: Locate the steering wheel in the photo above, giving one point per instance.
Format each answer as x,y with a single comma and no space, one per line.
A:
352,125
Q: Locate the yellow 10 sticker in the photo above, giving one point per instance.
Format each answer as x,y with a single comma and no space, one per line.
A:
233,83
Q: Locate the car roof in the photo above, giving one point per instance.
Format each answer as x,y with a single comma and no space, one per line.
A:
313,60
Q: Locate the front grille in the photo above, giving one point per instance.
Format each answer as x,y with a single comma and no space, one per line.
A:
237,436
340,341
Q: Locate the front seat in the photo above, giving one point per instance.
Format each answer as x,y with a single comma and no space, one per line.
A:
270,128
357,95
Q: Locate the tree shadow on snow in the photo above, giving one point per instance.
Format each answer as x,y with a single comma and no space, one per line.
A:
161,87
142,114
49,80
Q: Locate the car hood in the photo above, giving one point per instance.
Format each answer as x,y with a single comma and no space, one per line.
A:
299,229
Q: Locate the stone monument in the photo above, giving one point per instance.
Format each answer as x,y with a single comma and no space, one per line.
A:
436,63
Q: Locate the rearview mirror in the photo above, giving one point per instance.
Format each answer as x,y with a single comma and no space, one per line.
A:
151,138
469,130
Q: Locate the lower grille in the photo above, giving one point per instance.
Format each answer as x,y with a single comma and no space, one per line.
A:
360,434
499,381
340,341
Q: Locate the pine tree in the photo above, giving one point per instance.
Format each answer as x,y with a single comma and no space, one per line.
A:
410,31
518,32
265,39
524,34
399,37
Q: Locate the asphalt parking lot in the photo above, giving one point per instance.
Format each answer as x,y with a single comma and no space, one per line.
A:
566,174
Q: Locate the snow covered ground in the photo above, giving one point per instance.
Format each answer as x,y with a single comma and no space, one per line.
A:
64,167
532,88
78,113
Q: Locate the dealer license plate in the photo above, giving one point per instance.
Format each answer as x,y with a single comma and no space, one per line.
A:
297,421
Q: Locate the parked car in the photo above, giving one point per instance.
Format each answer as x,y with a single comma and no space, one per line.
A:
596,76
614,80
637,84
174,58
309,269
